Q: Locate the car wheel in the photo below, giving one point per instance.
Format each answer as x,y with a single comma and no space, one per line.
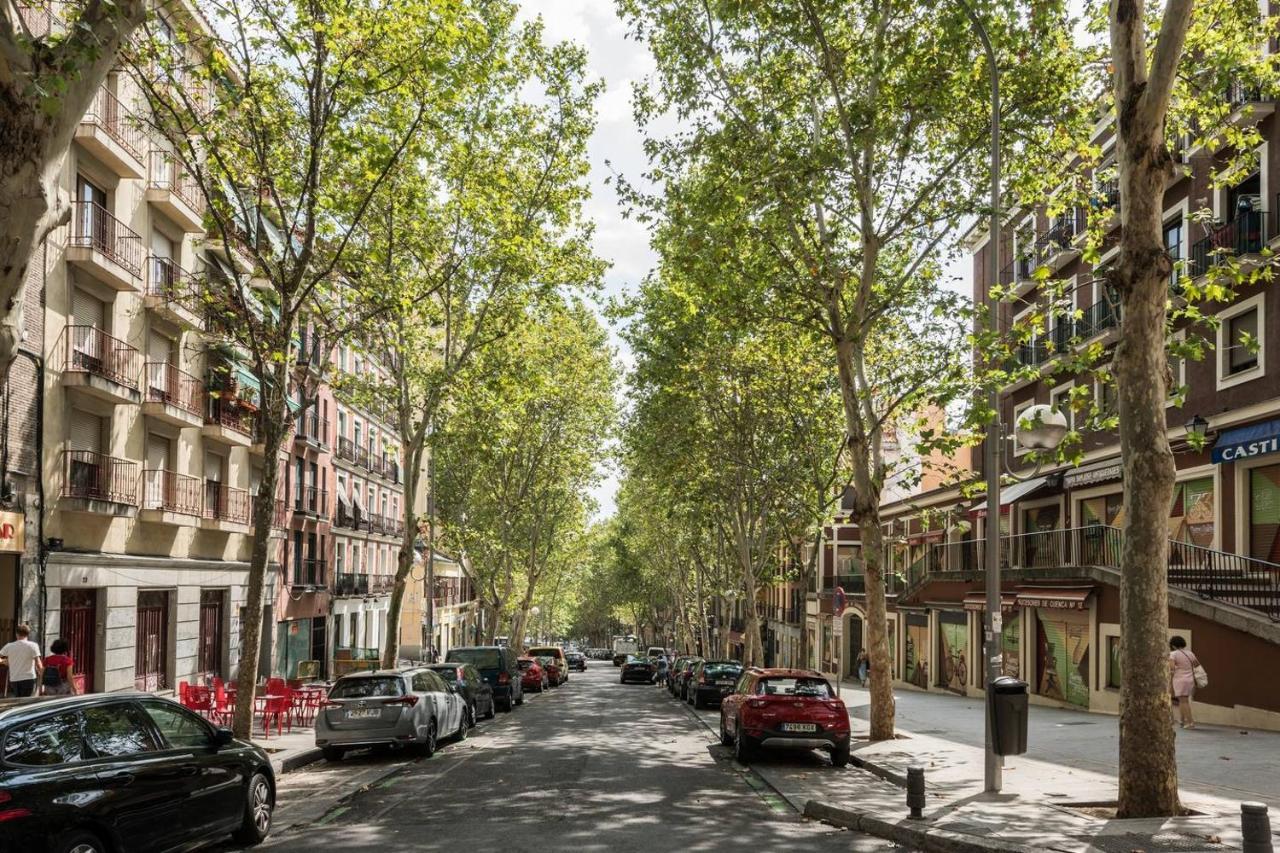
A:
506,706
471,716
520,698
725,740
429,745
332,753
260,802
463,726
542,685
840,755
743,749
79,841
493,709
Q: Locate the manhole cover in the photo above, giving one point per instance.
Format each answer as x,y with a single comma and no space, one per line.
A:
1130,842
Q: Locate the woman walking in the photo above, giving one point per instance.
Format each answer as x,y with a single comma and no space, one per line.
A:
864,667
1182,667
58,669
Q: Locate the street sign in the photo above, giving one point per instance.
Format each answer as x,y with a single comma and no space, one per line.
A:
839,602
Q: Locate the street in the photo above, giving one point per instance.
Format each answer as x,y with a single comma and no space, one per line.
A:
593,765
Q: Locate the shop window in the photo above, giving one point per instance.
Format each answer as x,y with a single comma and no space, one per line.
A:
1062,657
1191,519
1112,681
917,663
1264,513
953,646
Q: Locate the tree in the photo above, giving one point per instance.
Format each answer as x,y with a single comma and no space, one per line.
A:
290,122
51,68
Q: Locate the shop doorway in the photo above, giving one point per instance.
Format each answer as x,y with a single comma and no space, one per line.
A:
855,644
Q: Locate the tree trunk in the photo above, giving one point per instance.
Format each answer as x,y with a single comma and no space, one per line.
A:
1148,772
404,564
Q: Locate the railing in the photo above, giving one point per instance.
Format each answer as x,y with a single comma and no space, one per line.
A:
1034,353
108,113
1243,235
226,503
1097,318
1109,196
280,518
352,584
392,472
362,458
855,583
228,414
1219,575
313,428
171,492
313,501
1238,94
377,465
168,384
91,350
356,653
345,518
346,449
96,476
1062,230
167,173
93,227
309,351
309,571
172,283
376,523
1024,267
381,583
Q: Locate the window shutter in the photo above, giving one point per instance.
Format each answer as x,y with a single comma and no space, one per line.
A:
86,431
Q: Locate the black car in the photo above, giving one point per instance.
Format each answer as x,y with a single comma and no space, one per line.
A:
123,772
497,666
470,684
639,669
576,660
710,680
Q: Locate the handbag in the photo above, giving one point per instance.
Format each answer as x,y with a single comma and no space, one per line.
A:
1197,672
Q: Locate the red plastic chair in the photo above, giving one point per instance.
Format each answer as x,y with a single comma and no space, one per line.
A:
278,707
224,708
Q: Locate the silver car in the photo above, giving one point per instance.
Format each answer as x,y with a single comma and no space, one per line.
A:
411,707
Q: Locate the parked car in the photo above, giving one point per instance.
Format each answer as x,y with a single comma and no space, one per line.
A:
532,675
711,680
552,652
784,709
680,677
655,652
557,671
410,707
674,671
470,684
576,660
124,772
639,669
498,667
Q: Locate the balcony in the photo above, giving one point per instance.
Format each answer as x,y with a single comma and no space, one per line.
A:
104,247
1099,318
1246,234
229,420
175,193
234,249
40,19
312,502
99,484
364,459
173,293
309,572
113,135
170,498
1059,245
99,366
351,584
346,450
226,508
173,396
378,465
280,519
347,519
312,430
309,353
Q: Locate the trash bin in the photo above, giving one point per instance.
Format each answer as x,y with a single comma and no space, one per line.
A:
1007,705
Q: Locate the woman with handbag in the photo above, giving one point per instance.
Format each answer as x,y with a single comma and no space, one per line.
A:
1185,674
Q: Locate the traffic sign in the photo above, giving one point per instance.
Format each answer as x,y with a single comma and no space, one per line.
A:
839,601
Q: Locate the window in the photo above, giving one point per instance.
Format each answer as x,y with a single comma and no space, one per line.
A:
366,687
340,557
1241,342
1176,392
1113,663
113,731
178,726
1173,245
1060,401
1242,332
45,743
1104,392
297,558
342,424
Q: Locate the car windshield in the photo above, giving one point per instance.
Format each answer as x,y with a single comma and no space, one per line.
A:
722,670
479,658
546,660
544,651
815,687
365,688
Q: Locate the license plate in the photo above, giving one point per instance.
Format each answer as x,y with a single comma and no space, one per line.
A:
363,713
726,683
799,727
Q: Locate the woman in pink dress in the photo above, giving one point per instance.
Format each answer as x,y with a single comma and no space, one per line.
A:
1182,664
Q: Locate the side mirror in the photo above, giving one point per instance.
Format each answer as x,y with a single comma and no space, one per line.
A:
222,737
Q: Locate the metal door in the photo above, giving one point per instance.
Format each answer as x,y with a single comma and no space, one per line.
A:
151,650
209,649
80,629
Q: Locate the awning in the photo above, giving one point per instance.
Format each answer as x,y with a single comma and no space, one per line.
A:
978,601
1054,597
1012,494
1247,442
1089,475
245,378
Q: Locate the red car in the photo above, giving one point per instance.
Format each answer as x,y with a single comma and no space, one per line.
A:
556,674
532,675
784,709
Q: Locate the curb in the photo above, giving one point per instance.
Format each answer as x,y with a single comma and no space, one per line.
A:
297,761
910,834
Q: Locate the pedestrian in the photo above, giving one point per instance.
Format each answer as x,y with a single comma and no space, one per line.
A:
1182,679
59,668
864,666
663,666
23,659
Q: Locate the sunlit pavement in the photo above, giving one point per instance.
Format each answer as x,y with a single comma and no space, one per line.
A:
592,765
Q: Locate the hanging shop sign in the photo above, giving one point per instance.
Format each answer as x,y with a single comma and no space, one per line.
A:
1092,476
1247,442
12,532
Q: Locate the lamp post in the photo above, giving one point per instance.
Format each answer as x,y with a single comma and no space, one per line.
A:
431,556
534,611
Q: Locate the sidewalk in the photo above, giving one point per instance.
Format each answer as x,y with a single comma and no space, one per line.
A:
1071,762
290,751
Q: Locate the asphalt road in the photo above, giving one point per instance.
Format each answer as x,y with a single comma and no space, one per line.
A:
590,766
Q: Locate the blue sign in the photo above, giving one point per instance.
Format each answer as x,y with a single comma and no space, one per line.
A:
1247,442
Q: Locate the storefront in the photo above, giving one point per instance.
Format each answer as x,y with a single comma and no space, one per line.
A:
916,664
1062,641
953,651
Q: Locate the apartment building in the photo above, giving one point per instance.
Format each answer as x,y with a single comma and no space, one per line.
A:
1062,526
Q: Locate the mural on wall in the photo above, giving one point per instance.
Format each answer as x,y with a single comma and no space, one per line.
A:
1062,656
953,646
1011,644
917,670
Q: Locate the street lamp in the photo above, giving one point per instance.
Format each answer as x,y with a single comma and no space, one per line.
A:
1197,428
534,611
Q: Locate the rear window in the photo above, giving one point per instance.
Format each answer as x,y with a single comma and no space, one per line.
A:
815,687
44,743
447,674
479,658
544,651
722,670
366,688
546,660
524,664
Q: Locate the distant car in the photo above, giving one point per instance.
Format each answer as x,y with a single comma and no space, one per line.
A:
638,669
93,773
553,652
532,676
576,660
655,652
498,667
674,670
410,707
680,676
711,680
784,709
557,671
470,684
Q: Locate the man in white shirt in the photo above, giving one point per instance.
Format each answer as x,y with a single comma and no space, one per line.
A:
22,656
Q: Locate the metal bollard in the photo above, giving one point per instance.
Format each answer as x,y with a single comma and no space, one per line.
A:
1255,826
915,792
